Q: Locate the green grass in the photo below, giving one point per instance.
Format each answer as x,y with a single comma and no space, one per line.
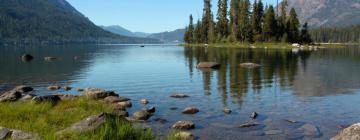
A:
46,119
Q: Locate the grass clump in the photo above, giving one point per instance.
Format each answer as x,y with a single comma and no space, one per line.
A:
45,119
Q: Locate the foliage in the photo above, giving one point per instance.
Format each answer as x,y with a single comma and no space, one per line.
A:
349,34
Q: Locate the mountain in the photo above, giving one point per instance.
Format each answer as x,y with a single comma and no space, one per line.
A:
122,31
327,12
52,21
175,36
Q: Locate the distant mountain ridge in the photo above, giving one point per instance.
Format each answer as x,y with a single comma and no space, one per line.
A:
327,12
52,21
116,29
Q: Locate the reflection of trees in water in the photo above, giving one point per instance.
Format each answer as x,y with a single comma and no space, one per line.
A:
279,66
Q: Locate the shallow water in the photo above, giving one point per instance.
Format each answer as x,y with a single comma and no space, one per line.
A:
319,87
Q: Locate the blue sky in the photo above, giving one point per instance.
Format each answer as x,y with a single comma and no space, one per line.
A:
143,15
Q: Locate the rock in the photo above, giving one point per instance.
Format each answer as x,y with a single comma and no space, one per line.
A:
208,65
250,65
125,104
27,97
273,132
227,110
4,133
350,133
85,125
27,57
79,90
141,115
49,58
23,89
150,110
310,130
247,125
48,98
53,88
19,135
67,88
10,96
186,125
97,94
144,101
161,120
179,95
67,96
342,126
291,121
115,99
190,110
173,108
253,115
120,113
184,136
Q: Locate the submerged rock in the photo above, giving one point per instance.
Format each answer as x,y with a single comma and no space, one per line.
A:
186,125
141,115
208,65
53,88
144,101
161,120
253,115
97,94
247,125
150,110
190,110
179,95
27,57
350,133
184,136
227,110
310,130
250,65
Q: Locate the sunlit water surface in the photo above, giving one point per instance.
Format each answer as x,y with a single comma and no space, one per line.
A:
319,87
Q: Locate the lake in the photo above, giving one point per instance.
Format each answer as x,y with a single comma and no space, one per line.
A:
319,88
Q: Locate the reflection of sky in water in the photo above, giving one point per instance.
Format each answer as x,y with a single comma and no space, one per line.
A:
306,86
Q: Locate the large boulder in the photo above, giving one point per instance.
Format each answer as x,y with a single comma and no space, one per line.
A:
141,115
208,65
98,94
350,133
185,125
88,124
10,96
115,99
47,98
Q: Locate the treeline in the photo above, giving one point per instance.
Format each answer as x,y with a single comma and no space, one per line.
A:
336,34
246,22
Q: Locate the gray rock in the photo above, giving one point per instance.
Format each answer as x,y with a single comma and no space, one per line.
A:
4,133
247,125
27,57
125,104
150,110
67,88
184,136
350,133
20,135
23,89
250,65
190,110
185,125
227,110
141,115
144,101
53,88
253,115
88,124
115,99
48,98
179,95
310,130
208,65
27,97
10,96
97,94
120,113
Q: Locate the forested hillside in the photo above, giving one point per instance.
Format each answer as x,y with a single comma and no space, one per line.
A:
337,34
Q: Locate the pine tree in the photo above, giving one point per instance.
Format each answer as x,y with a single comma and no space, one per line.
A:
197,32
269,30
223,22
234,18
256,20
206,21
305,36
293,26
282,33
189,34
245,33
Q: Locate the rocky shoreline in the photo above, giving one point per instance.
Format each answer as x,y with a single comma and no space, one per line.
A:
25,93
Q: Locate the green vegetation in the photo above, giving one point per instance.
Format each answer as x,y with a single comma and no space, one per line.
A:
52,22
337,34
246,25
46,119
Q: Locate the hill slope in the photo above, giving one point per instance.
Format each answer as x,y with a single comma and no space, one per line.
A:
170,37
327,12
116,29
52,21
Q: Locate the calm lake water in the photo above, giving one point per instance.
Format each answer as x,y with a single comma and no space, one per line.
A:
321,88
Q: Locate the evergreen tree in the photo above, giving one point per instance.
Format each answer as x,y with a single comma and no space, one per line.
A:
223,22
197,32
189,34
206,21
304,35
256,20
293,26
245,33
282,31
234,18
269,30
